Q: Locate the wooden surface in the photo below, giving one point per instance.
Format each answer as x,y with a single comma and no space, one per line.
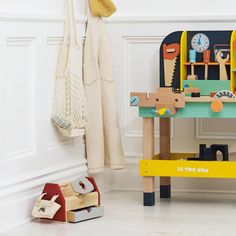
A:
162,97
209,99
148,151
202,63
192,90
169,66
82,201
165,145
206,72
149,100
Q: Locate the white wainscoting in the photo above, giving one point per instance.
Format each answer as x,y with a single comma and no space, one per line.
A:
32,152
18,194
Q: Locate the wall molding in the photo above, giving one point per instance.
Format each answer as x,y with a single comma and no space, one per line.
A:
54,41
59,145
128,41
201,134
38,178
29,17
20,41
29,44
18,195
173,19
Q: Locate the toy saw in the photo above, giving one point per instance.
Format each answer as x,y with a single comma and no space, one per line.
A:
170,53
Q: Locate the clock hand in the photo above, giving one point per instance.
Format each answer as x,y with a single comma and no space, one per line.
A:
199,41
202,41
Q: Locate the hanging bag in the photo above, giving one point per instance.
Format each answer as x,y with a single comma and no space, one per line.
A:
69,108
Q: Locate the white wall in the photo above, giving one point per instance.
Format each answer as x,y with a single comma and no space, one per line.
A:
169,8
31,153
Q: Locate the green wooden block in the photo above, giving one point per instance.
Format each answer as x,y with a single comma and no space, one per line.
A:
208,86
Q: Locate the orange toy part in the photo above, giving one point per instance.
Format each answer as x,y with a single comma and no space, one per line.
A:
216,106
170,51
206,56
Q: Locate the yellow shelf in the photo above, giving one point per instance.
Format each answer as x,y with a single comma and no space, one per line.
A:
183,168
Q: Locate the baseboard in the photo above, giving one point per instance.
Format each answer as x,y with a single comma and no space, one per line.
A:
18,197
104,180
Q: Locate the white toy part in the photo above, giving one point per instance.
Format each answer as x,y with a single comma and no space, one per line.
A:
45,208
224,94
85,214
82,185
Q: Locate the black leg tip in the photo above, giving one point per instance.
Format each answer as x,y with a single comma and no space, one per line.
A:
149,199
165,191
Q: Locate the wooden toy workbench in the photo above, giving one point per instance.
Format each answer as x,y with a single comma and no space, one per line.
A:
197,80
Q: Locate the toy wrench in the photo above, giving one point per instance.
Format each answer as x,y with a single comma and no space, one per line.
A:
222,61
170,53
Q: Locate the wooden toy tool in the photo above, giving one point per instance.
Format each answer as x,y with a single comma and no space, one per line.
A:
222,61
206,60
192,59
170,53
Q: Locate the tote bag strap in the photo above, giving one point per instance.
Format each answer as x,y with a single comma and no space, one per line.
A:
70,32
73,38
67,27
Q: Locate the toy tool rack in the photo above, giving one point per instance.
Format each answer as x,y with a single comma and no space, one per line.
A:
197,80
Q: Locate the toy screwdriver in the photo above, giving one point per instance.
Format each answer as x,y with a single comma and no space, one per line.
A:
206,60
192,60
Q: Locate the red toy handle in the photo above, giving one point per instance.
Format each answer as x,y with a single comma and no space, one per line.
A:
170,51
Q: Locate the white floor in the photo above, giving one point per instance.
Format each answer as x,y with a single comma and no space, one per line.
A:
184,215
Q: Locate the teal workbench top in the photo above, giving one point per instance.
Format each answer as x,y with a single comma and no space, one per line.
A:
195,110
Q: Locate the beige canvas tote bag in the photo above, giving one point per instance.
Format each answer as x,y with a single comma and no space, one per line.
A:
69,107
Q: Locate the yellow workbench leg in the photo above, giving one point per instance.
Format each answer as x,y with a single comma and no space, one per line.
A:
148,154
165,182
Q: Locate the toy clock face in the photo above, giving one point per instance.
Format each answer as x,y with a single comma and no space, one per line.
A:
200,42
